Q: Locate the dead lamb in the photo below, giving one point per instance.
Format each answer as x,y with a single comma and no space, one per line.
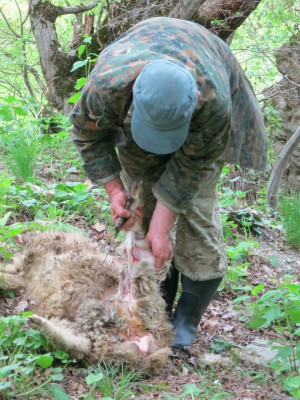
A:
93,308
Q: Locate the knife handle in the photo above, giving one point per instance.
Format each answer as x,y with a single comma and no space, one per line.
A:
121,220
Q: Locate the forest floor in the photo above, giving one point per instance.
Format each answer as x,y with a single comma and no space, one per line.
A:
218,362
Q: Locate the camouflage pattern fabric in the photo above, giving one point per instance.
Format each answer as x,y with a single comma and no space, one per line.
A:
227,125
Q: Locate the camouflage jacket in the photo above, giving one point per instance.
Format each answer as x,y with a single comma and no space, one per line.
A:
227,124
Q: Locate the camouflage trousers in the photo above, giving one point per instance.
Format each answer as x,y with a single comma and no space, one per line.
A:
199,251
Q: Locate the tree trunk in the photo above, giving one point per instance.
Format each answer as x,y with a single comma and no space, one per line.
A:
280,166
56,65
115,18
223,17
284,96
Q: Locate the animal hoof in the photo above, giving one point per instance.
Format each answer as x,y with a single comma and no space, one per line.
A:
35,322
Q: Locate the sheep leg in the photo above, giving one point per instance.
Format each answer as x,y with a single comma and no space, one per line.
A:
125,283
11,281
62,337
129,244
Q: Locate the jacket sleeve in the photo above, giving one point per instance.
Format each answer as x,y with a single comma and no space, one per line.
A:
94,123
192,167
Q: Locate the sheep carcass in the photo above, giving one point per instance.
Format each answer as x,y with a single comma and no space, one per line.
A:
94,307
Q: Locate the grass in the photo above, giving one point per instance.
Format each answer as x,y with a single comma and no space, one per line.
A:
111,383
290,211
21,153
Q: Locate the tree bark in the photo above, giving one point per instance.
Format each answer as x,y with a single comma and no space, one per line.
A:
55,64
280,166
186,9
229,15
284,96
116,18
223,17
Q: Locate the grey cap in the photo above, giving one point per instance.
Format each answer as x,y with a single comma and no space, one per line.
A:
165,95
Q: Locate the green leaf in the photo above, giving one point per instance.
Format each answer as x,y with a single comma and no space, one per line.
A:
57,369
3,221
6,371
7,254
240,299
93,378
20,341
45,361
80,50
273,261
295,316
292,382
227,202
257,289
28,370
27,314
79,64
6,114
4,385
80,83
73,99
298,351
57,392
191,388
61,355
14,230
293,288
245,288
223,395
284,352
29,203
88,40
276,364
57,377
274,313
10,99
20,111
257,323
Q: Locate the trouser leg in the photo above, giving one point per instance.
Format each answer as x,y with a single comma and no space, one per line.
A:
191,306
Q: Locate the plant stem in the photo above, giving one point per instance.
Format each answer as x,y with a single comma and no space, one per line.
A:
35,389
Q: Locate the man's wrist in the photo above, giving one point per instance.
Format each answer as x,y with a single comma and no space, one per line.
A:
114,187
162,220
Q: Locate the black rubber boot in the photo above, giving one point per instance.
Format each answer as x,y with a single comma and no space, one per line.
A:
192,304
169,288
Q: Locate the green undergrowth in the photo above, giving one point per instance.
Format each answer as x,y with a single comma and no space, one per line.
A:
39,206
277,310
27,365
290,210
266,309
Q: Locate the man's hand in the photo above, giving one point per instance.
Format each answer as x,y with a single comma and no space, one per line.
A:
161,248
158,235
118,196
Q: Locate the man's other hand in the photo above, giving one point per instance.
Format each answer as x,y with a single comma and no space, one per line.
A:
158,235
161,248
